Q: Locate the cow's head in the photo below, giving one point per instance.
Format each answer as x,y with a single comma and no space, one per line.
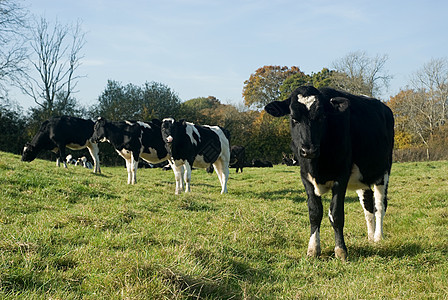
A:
99,131
170,127
29,152
308,110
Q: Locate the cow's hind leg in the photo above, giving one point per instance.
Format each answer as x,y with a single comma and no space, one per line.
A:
366,199
178,171
94,152
223,174
187,176
380,195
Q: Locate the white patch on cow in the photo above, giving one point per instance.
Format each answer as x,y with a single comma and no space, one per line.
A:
152,157
199,162
190,129
320,189
25,149
126,154
330,216
143,124
354,182
370,220
307,101
314,244
168,120
379,193
76,146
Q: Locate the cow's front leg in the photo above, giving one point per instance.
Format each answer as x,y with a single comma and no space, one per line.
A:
134,166
129,169
177,170
62,155
336,215
316,212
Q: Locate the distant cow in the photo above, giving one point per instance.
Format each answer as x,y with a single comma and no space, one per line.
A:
82,161
132,140
199,146
258,163
59,132
289,160
237,157
341,141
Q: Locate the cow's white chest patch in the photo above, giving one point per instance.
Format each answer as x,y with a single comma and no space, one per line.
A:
320,189
307,101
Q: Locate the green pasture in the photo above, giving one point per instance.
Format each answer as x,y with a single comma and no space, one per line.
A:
71,234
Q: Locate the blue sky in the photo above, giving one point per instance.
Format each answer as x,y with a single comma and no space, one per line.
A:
203,48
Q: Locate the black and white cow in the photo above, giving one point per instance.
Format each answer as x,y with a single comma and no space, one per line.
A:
341,141
237,157
191,145
59,132
132,140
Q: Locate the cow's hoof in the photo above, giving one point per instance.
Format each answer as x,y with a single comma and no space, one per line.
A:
313,252
340,253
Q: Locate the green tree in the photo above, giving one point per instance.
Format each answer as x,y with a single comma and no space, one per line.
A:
12,127
323,78
264,85
158,101
293,82
153,100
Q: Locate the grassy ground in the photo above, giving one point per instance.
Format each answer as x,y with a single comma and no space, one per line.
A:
71,234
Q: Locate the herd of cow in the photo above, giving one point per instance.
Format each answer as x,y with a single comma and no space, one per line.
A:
340,141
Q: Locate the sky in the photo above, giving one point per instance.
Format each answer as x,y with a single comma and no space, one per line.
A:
201,48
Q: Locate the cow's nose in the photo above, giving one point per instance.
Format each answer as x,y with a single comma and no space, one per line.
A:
169,139
309,153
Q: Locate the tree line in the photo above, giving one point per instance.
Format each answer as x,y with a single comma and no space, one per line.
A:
41,58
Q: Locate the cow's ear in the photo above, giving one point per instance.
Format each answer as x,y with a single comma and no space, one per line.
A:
340,103
278,108
183,122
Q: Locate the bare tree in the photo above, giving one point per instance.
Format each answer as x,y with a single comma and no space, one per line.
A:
359,74
13,52
56,58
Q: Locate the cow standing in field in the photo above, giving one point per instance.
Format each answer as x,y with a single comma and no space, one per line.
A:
59,132
341,141
132,140
192,145
237,157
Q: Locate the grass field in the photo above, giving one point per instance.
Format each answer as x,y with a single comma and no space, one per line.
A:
71,234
